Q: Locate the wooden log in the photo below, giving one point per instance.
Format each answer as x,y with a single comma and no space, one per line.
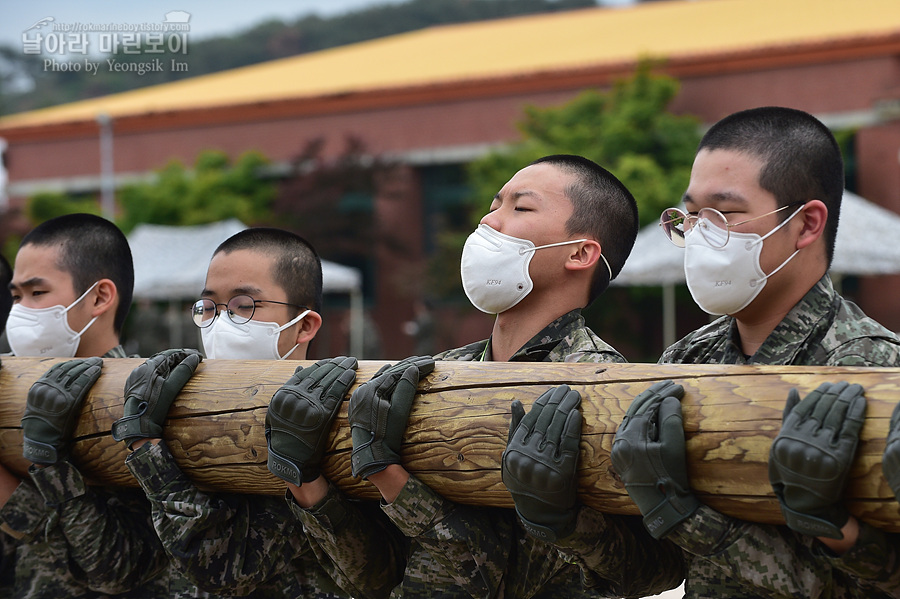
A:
458,427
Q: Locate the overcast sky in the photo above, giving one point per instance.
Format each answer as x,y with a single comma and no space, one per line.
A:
208,17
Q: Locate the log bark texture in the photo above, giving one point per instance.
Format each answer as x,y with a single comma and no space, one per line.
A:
458,428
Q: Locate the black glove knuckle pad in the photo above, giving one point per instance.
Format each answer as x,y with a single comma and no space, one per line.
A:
379,410
52,406
649,455
810,459
150,390
298,420
540,462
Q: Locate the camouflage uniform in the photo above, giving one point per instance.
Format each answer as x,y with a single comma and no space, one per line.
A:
620,558
458,550
227,543
364,553
566,339
71,540
732,558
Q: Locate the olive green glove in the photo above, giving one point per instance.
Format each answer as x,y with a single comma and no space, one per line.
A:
649,455
150,390
810,459
299,418
890,464
52,407
540,460
378,413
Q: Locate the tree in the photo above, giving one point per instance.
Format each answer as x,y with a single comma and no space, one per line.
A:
43,206
215,190
627,130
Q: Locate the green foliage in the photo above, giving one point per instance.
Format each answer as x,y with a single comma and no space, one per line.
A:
213,191
46,205
10,248
627,130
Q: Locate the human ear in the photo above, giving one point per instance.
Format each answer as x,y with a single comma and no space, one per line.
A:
813,219
583,255
105,296
308,328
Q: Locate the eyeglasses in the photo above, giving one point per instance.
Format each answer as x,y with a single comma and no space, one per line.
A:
240,309
712,224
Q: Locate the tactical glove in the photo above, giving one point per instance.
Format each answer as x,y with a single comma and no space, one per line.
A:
649,455
299,418
52,407
150,390
890,464
811,457
379,410
540,460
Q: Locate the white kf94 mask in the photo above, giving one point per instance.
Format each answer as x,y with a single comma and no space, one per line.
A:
44,331
724,280
494,268
252,340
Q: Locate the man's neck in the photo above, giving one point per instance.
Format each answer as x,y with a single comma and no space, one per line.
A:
514,328
756,322
97,345
754,333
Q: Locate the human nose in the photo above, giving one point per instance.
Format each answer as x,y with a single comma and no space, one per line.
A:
493,219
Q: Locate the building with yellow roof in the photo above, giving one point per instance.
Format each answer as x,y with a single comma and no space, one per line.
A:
445,94
582,42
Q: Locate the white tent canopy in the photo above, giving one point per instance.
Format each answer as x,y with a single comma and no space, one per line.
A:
170,264
865,245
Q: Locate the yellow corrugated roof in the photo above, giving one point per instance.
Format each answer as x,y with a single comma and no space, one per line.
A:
503,48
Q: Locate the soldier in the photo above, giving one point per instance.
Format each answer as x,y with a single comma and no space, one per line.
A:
557,233
762,214
261,301
71,289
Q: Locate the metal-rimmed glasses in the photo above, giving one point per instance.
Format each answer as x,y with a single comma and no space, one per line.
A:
240,309
712,224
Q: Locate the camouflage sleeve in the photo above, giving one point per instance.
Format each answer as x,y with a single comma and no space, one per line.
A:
771,559
865,351
595,356
24,514
109,538
353,541
873,561
223,543
463,540
618,557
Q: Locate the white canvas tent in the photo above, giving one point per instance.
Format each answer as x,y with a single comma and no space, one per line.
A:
170,265
865,245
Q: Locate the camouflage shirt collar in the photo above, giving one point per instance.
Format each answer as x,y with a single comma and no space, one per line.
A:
116,352
808,320
553,335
